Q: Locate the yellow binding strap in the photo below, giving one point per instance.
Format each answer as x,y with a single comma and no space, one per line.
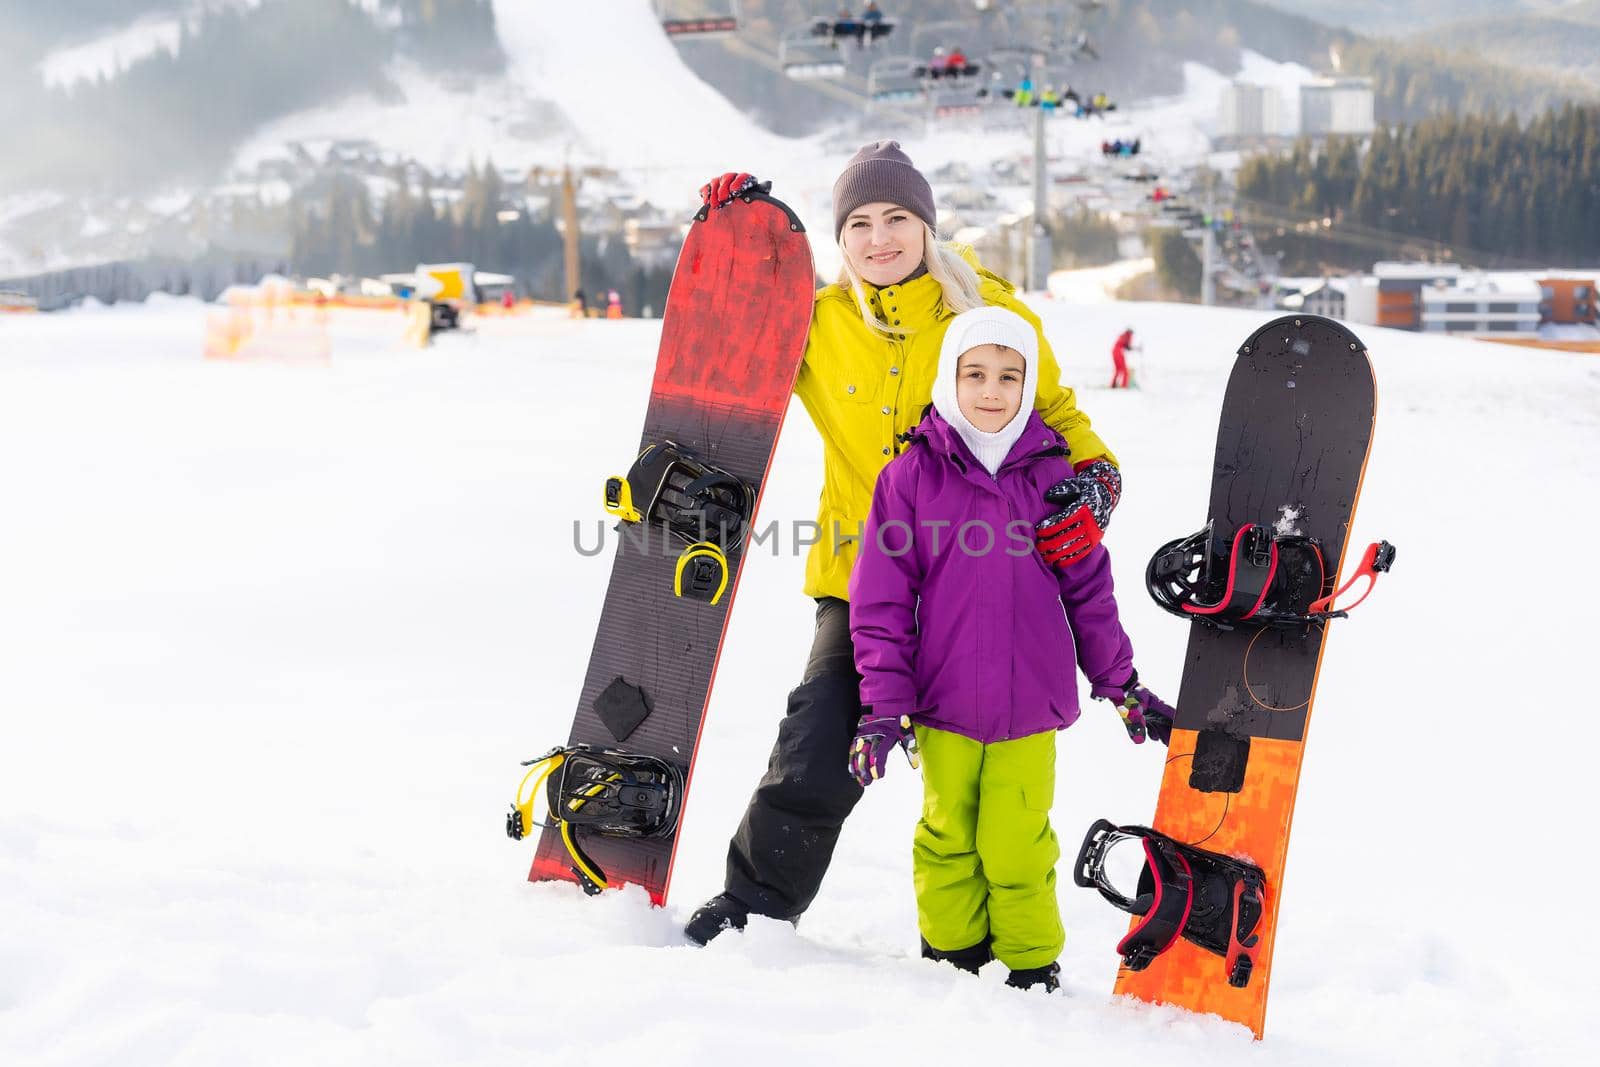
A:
703,550
589,868
525,806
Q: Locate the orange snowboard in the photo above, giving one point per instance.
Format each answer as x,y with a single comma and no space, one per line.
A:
1291,453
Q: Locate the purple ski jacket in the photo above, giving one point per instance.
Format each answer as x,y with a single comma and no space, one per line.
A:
968,632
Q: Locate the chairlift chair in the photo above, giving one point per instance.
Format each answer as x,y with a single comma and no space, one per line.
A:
943,34
950,103
691,19
864,32
894,78
808,58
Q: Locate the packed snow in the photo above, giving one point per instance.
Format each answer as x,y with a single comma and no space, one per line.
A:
275,637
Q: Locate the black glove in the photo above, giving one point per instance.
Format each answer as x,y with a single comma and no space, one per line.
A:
1088,498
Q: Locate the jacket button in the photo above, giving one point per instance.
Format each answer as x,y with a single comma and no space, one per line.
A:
850,389
886,411
886,450
894,370
897,322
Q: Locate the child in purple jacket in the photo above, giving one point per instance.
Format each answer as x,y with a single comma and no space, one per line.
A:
966,640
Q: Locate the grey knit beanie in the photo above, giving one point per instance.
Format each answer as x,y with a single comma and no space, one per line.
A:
881,172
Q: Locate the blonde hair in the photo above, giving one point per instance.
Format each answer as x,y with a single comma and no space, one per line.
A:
953,273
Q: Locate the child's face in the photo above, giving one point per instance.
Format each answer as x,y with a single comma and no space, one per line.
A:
989,385
884,242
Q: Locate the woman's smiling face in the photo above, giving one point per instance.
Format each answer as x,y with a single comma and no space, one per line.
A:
884,242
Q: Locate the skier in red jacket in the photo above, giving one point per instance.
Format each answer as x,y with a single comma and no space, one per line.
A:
1119,359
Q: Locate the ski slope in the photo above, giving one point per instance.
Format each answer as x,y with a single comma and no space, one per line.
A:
599,85
273,639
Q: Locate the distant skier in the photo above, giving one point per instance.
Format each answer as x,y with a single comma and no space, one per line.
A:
1119,359
613,304
966,654
580,304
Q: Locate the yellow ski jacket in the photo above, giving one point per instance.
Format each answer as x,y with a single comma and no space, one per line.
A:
864,390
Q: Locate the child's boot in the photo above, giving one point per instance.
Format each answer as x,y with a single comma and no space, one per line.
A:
963,959
1046,976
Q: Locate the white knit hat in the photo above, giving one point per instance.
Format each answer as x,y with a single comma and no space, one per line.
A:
968,330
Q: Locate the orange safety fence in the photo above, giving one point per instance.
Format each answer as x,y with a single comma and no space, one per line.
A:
271,322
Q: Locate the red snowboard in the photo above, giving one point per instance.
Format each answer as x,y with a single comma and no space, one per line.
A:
733,335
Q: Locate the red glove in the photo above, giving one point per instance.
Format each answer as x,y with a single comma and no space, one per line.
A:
1068,536
720,191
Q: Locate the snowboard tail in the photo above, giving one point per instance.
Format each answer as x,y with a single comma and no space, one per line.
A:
1291,453
733,336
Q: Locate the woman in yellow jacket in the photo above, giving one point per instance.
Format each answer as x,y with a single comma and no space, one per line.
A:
868,373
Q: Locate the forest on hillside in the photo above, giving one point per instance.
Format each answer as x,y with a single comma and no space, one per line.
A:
1492,191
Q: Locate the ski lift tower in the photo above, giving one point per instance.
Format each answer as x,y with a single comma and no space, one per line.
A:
1039,251
1050,27
568,178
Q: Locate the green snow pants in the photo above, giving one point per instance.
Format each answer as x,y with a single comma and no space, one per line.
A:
984,856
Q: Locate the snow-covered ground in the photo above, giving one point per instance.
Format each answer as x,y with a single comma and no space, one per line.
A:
273,639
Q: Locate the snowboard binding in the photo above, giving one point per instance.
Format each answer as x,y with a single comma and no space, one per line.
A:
1212,900
1254,578
607,792
702,506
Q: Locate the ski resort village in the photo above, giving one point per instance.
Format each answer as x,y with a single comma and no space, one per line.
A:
792,533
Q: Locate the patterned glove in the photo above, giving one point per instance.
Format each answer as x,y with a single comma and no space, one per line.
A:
1088,498
1143,713
720,191
875,737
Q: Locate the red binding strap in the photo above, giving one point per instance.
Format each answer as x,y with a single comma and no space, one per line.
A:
1233,573
1369,569
1153,912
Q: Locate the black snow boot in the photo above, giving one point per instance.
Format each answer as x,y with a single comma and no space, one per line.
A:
721,912
962,959
1035,977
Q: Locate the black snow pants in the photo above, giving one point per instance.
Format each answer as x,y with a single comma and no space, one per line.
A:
783,846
